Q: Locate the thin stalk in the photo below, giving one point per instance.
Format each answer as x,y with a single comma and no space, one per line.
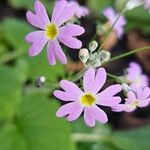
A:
128,54
117,79
111,28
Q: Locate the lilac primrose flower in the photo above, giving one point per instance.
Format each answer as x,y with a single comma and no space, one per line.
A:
81,11
140,98
111,15
135,78
53,31
86,101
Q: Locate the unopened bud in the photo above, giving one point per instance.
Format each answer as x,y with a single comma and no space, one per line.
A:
84,55
104,56
131,4
125,87
93,46
40,81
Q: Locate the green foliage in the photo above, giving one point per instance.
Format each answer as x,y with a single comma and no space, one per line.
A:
29,4
15,31
28,121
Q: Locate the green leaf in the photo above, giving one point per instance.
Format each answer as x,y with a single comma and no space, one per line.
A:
36,127
15,31
10,92
38,66
29,4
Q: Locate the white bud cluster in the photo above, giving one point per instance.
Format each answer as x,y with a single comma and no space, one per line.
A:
91,58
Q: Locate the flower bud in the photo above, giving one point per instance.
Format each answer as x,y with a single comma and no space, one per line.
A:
104,56
125,87
93,46
131,4
40,81
84,55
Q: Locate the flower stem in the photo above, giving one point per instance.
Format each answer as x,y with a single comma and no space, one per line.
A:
117,79
128,54
111,28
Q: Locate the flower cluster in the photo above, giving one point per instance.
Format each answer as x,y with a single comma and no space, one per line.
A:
90,100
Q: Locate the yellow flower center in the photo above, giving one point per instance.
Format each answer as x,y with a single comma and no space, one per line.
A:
87,100
51,31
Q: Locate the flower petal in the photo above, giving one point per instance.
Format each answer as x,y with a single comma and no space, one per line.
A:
124,107
88,80
64,96
131,95
71,88
59,7
38,39
73,110
72,30
40,19
110,91
59,53
144,103
94,113
70,41
50,53
108,101
66,14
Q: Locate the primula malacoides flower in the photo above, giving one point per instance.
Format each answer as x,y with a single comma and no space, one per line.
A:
111,15
140,98
54,31
87,101
81,11
135,78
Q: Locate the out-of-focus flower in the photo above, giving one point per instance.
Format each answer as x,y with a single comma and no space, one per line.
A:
40,81
86,101
135,78
111,15
81,11
131,4
140,98
53,31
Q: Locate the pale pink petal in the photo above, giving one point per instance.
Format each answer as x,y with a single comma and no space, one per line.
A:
89,117
72,30
124,107
108,101
146,93
40,19
51,53
100,115
91,114
41,12
144,103
70,41
88,80
131,95
71,88
72,111
59,7
66,14
100,80
59,53
65,96
39,41
110,91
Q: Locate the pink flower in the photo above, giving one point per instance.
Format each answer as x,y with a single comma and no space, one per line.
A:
81,11
86,101
54,31
111,15
147,4
140,98
135,78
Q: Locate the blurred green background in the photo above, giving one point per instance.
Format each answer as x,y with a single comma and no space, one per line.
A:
27,113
